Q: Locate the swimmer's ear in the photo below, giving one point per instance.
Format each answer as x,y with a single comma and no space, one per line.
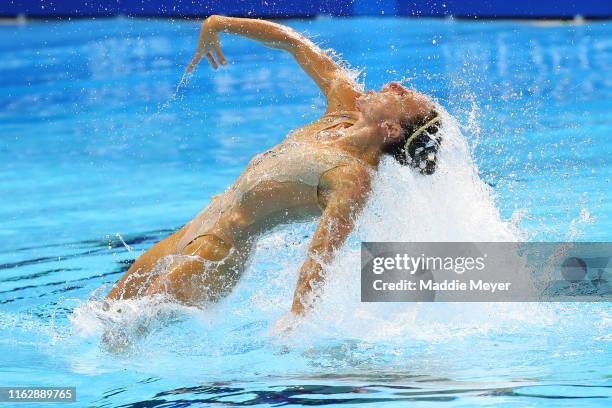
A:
393,131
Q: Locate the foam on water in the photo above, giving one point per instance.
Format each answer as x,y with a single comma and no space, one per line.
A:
452,205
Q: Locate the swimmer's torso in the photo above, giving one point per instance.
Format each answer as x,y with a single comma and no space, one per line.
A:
281,185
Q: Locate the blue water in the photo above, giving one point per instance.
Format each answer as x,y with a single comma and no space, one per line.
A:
99,144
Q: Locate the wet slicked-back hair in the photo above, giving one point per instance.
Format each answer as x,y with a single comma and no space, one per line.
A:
422,151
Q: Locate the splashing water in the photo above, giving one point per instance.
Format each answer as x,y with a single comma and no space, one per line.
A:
177,95
422,214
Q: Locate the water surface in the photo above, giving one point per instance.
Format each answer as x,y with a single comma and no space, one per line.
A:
102,156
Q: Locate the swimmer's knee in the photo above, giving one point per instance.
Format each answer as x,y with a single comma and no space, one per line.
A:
209,247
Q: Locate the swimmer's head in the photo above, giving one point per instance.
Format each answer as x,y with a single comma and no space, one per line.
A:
392,105
418,143
407,122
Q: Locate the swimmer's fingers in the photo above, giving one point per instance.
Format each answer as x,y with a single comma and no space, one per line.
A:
195,61
212,61
220,55
209,56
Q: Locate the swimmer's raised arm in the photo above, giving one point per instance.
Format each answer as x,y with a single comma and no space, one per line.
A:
339,88
350,188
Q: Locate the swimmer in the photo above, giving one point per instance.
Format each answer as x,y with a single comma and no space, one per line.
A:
323,169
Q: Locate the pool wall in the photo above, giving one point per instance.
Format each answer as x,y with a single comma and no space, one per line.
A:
309,8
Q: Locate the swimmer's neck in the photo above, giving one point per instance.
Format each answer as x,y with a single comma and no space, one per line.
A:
363,140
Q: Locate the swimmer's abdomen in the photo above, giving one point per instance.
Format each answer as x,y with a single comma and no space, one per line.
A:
277,186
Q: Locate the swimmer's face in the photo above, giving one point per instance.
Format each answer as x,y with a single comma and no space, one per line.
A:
393,105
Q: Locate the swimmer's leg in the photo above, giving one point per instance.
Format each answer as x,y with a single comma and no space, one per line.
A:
139,275
207,271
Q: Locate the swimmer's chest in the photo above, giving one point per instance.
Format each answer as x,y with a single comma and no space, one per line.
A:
301,158
312,142
325,130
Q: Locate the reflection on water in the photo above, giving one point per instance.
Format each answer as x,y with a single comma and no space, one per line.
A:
373,389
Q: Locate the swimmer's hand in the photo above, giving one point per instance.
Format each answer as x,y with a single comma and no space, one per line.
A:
208,45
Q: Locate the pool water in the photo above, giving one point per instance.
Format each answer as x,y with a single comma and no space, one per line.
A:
106,149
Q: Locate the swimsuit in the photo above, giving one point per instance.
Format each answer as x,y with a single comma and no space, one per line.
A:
292,161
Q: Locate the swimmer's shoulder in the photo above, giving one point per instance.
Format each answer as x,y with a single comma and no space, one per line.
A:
343,94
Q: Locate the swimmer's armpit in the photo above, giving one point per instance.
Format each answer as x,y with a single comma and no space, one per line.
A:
316,63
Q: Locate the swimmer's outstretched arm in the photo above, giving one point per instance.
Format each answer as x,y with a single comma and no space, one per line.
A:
339,88
350,191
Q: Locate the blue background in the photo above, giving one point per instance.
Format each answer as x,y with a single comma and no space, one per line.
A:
304,8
